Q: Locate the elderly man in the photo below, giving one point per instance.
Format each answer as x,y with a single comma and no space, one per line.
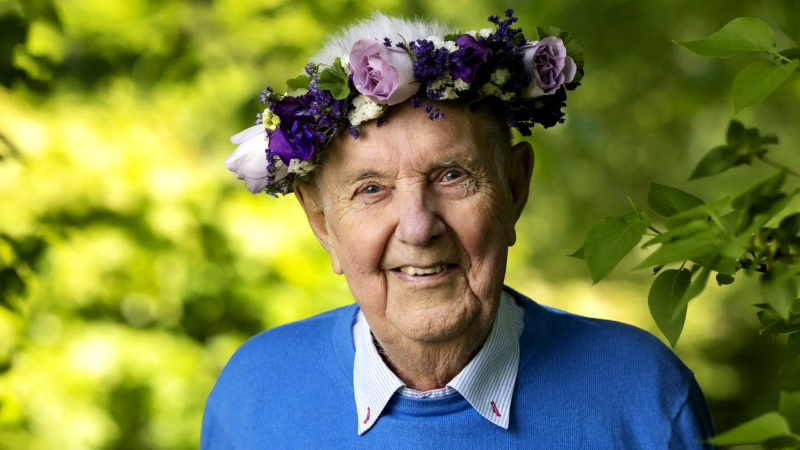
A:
418,215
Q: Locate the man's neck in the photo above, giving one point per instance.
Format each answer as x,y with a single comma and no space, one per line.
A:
425,366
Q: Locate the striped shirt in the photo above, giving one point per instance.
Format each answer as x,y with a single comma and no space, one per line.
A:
487,382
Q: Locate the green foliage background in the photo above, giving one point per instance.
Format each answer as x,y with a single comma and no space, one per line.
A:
132,263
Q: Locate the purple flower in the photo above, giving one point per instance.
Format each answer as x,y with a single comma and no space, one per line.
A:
293,110
384,74
464,63
548,65
295,143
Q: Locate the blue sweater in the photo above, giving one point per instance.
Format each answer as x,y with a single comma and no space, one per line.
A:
582,383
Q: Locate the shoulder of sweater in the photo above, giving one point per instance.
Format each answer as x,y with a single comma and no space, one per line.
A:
289,348
613,344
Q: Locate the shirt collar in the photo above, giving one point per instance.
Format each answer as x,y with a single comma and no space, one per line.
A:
487,382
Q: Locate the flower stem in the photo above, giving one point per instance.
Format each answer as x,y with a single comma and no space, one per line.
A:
778,55
634,208
762,155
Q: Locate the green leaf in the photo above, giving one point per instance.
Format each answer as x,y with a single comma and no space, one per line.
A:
780,326
769,139
608,241
780,295
701,212
741,36
723,265
790,225
767,187
450,37
578,253
334,79
732,218
718,160
735,248
791,53
683,231
697,287
724,279
666,291
674,234
760,429
297,86
667,201
793,347
758,80
688,248
789,402
735,134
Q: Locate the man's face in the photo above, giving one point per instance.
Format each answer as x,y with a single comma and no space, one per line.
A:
413,197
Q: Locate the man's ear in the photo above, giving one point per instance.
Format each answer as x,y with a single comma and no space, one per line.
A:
310,198
519,170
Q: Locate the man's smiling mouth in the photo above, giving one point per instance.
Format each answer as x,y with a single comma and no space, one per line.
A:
423,271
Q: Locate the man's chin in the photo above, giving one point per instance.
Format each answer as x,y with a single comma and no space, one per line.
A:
435,324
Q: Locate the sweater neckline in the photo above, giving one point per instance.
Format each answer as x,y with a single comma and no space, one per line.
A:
532,334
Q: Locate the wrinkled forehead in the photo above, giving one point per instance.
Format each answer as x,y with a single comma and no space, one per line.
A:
408,140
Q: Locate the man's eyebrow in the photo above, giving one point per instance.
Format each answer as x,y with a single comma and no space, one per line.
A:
460,160
362,175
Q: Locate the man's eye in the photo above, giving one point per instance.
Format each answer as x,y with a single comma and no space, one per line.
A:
452,175
371,189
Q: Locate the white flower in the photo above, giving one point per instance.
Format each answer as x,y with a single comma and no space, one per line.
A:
270,121
249,160
500,76
460,85
364,109
485,32
345,59
300,168
507,96
441,43
444,86
448,94
490,89
472,33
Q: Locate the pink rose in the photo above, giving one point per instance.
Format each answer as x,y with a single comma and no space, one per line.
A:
384,74
548,65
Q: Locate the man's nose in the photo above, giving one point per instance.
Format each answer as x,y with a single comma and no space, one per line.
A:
418,220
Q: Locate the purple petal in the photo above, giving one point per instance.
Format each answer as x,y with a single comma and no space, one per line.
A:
569,69
279,145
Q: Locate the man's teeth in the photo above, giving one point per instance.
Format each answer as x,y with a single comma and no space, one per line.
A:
411,270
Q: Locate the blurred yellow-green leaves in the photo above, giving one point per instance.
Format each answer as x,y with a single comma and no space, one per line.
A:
132,263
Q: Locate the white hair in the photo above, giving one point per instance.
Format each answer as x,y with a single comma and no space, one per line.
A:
379,26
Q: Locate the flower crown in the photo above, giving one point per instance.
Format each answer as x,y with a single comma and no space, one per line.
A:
528,78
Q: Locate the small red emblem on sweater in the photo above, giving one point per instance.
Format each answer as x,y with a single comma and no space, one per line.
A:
494,408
